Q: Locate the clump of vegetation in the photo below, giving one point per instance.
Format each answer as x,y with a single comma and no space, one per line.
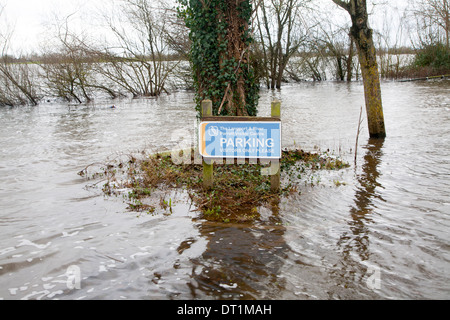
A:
239,189
432,60
436,56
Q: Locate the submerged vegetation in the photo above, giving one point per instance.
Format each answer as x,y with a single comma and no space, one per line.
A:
239,189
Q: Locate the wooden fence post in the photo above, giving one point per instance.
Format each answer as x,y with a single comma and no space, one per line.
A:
208,168
275,166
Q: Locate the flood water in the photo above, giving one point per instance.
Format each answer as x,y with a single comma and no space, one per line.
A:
377,230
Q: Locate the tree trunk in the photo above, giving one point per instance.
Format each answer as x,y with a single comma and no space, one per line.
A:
220,42
350,60
363,37
371,79
237,51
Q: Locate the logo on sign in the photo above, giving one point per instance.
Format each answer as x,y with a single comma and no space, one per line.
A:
213,131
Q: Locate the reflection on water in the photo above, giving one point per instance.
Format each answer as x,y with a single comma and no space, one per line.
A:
355,242
240,261
366,192
375,231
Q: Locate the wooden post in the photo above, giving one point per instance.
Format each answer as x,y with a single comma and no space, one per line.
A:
208,168
275,166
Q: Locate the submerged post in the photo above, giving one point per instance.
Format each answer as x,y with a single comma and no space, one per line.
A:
208,165
275,166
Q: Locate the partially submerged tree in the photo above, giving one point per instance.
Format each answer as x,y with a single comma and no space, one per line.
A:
17,86
220,35
363,36
17,83
389,38
67,74
338,46
138,64
69,64
281,32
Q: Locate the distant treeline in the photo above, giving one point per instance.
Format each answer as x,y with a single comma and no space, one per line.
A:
55,58
150,55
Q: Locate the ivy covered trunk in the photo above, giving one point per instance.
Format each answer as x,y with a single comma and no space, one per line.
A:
220,38
363,37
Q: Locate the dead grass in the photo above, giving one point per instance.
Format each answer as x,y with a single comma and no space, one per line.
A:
239,189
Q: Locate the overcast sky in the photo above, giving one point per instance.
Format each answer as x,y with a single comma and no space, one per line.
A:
32,19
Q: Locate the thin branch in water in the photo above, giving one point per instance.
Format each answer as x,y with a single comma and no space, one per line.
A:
357,134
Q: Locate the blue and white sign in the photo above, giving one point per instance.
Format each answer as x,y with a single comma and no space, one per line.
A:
249,140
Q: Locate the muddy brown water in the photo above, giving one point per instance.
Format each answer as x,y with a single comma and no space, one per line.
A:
377,230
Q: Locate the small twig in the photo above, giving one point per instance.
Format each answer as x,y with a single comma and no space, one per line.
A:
224,97
229,84
357,134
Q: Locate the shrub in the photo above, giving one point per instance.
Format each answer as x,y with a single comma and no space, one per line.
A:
436,56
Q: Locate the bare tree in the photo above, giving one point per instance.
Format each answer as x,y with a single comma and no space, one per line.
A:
433,20
139,64
339,48
281,32
363,36
68,66
327,52
390,43
17,85
310,62
16,80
